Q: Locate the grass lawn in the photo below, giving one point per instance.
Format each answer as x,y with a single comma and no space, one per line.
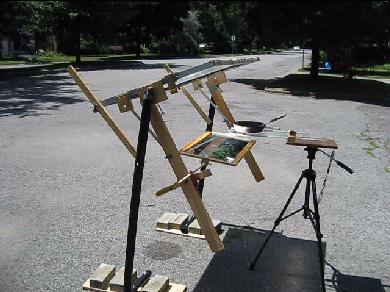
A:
380,71
376,71
55,58
52,57
11,61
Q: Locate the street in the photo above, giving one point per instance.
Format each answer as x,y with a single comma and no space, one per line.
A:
65,185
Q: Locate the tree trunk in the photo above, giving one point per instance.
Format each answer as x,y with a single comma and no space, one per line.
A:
138,42
77,36
315,58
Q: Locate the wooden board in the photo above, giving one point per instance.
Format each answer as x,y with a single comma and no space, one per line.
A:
172,287
191,99
106,116
218,147
220,102
180,170
312,142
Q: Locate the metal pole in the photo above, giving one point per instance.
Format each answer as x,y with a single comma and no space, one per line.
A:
209,127
303,55
136,189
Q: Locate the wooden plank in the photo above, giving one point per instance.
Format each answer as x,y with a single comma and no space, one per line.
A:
311,142
158,92
100,108
202,139
220,102
196,141
125,104
254,167
189,189
172,287
244,151
191,99
195,105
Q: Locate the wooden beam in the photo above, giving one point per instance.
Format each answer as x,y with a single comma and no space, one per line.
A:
189,189
191,99
221,104
100,108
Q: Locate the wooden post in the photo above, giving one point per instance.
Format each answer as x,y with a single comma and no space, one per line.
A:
191,99
221,104
100,108
189,189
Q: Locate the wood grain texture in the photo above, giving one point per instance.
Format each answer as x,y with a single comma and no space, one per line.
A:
220,102
191,99
100,108
189,189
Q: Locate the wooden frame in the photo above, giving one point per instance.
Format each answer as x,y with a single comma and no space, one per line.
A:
166,141
212,82
202,138
191,99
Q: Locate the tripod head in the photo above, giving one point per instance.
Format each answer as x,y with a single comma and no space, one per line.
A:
312,145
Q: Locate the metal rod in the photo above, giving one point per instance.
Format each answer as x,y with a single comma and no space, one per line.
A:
213,104
149,130
209,127
136,189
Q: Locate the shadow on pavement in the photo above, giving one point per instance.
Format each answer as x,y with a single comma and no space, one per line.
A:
131,65
30,96
348,283
258,84
287,264
331,87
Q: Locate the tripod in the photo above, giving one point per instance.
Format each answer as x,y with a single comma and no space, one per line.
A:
310,175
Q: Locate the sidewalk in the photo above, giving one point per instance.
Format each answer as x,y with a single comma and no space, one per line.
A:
9,71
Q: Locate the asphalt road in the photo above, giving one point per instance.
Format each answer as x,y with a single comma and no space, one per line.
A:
65,181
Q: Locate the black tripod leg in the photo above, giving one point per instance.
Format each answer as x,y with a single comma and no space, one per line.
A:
277,222
136,191
307,197
318,234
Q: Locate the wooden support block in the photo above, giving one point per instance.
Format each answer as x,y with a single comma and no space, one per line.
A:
216,79
102,275
117,283
189,189
125,104
106,116
159,94
194,230
194,227
197,83
172,220
156,284
179,220
173,287
163,221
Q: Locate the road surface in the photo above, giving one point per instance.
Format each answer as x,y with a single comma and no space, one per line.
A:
65,181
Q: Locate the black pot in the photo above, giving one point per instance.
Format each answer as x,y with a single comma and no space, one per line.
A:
249,126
